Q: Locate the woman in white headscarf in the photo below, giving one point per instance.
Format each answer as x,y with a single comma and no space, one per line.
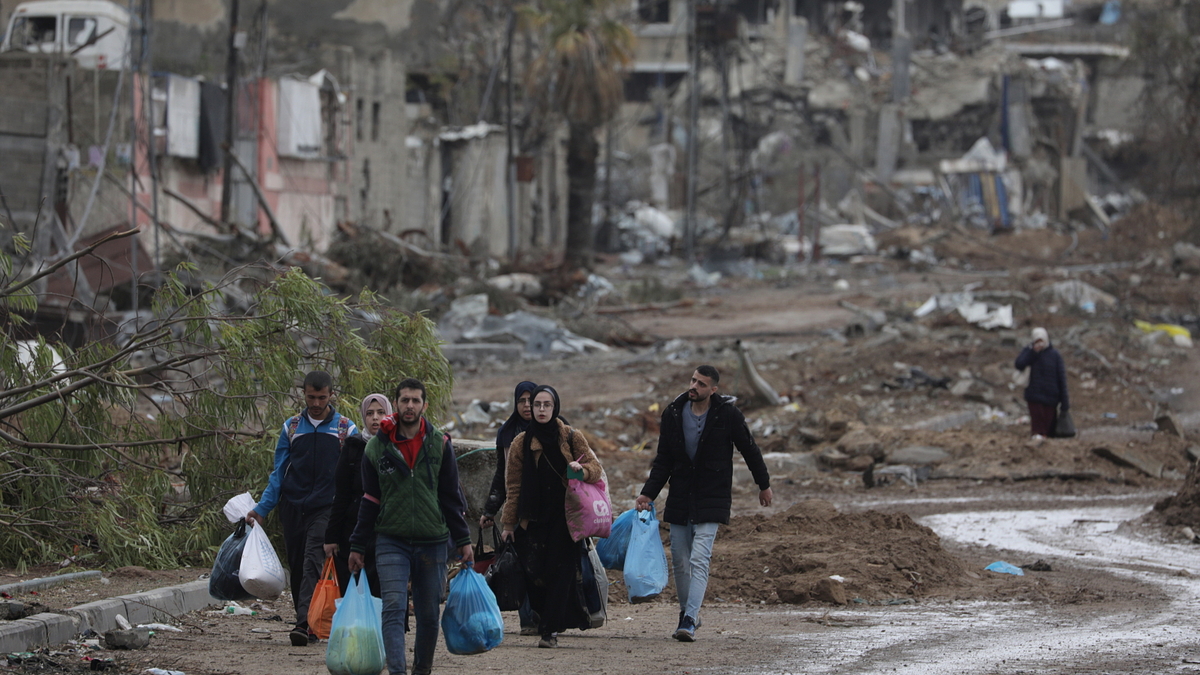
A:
1046,394
348,480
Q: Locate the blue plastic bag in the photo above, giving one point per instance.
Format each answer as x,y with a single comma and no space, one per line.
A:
356,635
223,583
471,621
1005,568
646,560
612,549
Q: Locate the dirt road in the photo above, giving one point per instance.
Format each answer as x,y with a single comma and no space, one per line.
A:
1129,607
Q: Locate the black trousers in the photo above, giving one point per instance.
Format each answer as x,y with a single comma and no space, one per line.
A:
304,543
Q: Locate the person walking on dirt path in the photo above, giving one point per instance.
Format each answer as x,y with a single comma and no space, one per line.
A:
1046,393
302,486
348,495
516,423
412,505
698,433
535,515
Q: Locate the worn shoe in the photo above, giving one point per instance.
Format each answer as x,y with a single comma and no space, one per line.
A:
699,622
529,630
686,631
299,636
548,642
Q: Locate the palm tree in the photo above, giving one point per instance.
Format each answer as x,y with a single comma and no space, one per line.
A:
578,75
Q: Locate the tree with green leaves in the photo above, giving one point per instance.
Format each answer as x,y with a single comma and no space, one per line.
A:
122,452
578,77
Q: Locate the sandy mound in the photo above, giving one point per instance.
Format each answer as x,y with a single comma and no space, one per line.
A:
790,556
1184,507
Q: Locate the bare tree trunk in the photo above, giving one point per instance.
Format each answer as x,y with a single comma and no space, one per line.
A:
582,153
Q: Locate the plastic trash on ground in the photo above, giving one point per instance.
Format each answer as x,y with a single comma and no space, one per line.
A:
1005,568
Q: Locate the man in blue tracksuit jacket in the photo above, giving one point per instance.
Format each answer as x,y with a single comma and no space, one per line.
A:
302,485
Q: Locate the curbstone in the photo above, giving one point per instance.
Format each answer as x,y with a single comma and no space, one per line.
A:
48,629
145,607
21,635
46,582
59,627
194,595
100,615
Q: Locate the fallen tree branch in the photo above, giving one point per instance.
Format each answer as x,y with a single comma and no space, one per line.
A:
69,259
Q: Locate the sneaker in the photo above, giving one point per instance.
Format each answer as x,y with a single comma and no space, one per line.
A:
299,636
699,622
686,631
529,630
548,642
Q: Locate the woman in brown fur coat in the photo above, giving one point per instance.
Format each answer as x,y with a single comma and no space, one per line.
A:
534,515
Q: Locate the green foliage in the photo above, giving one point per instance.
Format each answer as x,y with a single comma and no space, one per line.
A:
123,453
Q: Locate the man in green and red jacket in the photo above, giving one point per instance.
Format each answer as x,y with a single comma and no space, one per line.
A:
412,505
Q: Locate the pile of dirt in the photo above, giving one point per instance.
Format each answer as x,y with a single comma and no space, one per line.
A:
790,557
1183,508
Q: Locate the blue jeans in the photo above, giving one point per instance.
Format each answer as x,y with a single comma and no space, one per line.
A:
691,550
399,562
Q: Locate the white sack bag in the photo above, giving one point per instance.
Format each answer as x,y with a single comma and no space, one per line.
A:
261,573
238,506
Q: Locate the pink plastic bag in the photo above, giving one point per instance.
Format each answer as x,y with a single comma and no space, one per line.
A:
589,512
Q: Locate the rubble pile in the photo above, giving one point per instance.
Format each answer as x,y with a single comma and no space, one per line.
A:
812,552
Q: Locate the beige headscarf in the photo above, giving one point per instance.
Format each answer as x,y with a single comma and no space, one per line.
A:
1040,333
372,398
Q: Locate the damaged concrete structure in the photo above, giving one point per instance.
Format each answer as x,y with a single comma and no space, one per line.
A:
825,105
342,133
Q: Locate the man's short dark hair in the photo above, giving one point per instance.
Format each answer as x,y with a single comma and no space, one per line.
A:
411,383
709,372
318,380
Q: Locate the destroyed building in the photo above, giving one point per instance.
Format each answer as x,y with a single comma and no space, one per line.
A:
332,124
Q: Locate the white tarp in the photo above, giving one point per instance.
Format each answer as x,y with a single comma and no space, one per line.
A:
183,117
299,119
847,240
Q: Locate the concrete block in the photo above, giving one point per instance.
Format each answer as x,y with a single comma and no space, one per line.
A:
59,627
149,606
100,615
194,595
21,635
135,638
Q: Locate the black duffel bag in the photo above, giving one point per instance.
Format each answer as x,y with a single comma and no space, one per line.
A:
506,578
223,583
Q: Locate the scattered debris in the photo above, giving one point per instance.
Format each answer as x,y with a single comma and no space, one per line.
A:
127,638
1005,568
765,392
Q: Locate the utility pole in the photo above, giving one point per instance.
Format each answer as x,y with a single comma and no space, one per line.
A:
510,175
135,68
231,64
689,223
147,16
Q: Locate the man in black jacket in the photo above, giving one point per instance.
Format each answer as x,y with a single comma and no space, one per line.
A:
697,436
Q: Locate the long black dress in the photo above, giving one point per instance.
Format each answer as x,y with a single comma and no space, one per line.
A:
551,558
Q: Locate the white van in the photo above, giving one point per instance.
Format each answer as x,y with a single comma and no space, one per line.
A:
96,32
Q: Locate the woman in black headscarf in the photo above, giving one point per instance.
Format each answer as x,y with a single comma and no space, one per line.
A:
534,514
517,422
